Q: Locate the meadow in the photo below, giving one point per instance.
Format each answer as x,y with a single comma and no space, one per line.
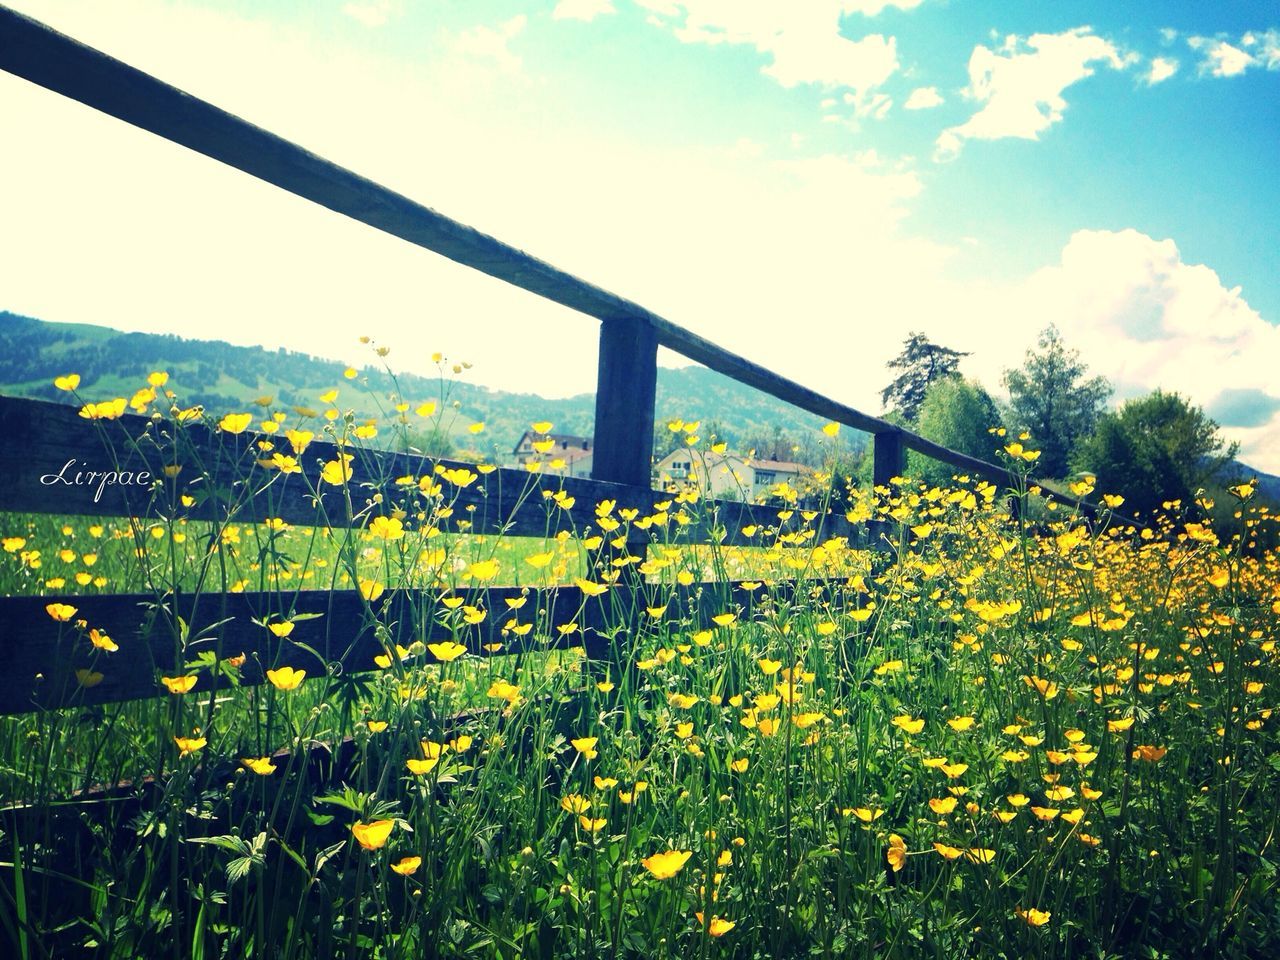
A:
974,732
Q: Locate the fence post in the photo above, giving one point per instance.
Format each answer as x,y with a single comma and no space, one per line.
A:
888,458
625,388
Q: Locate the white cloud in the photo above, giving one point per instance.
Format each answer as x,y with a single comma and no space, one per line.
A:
585,10
1221,59
803,40
372,13
1162,68
1020,84
1268,47
1145,318
923,98
816,248
871,8
491,43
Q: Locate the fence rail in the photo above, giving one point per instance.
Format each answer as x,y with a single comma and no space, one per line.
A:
42,438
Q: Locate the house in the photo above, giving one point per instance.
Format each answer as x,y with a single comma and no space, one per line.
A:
567,454
727,475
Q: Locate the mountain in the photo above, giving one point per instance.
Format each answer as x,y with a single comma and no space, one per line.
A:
1268,484
224,377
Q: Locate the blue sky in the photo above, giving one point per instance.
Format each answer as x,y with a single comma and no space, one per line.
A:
803,182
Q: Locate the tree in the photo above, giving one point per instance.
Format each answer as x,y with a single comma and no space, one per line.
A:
958,414
921,363
1155,449
769,443
1051,398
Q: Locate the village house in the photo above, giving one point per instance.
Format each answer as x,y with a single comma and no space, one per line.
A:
568,455
727,475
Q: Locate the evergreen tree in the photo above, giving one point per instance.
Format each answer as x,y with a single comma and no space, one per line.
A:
920,363
1051,397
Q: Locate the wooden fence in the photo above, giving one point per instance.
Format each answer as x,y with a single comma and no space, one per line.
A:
41,662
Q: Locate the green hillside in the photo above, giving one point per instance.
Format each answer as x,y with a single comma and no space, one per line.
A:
225,377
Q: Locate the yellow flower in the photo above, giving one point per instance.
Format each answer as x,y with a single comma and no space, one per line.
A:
604,686
446,652
376,726
589,588
407,866
868,814
281,630
684,701
907,724
61,612
575,803
373,835
592,825
235,422
605,783
586,746
419,767
740,765
897,852
286,678
718,926
188,745
102,641
106,410
769,667
371,590
388,528
262,766
177,685
337,472
1045,813
502,690
960,724
954,770
805,720
666,865
948,853
1149,753
299,439
944,806
831,429
1036,918
1017,800
68,383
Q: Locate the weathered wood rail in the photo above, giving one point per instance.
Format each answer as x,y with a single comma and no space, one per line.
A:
42,437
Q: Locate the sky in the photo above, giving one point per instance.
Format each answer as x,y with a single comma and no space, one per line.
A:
804,183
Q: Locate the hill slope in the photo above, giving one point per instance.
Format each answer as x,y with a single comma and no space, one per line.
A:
225,377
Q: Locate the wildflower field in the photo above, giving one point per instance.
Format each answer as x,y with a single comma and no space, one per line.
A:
918,724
